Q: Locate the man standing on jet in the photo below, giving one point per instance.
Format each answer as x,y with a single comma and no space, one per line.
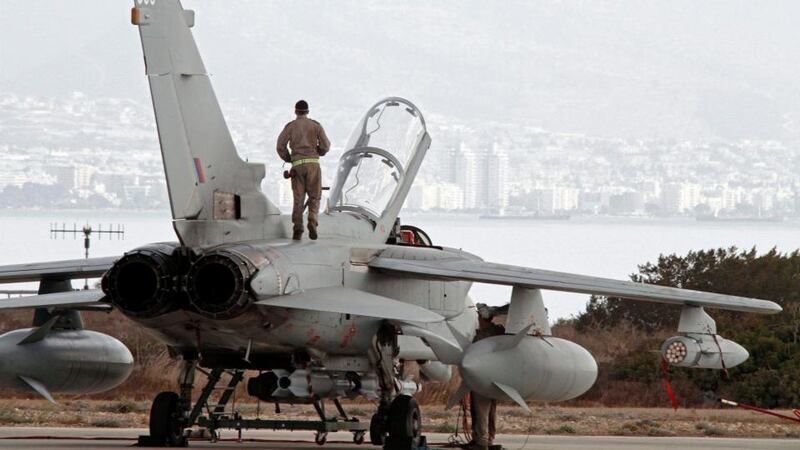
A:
308,142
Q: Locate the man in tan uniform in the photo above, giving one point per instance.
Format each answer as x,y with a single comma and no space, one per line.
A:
308,142
484,409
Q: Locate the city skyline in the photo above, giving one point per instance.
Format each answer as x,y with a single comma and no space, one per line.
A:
103,153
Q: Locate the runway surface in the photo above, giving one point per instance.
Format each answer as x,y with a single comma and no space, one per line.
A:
116,438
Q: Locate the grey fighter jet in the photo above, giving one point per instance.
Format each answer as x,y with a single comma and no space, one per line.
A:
313,320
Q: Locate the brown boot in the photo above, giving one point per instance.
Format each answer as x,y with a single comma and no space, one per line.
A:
297,235
312,233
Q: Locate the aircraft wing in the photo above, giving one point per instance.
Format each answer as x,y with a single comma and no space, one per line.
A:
458,268
344,300
71,299
58,270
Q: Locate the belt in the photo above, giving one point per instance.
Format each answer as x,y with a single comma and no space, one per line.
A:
300,162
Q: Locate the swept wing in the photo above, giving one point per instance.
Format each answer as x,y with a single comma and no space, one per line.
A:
459,268
56,270
352,301
64,300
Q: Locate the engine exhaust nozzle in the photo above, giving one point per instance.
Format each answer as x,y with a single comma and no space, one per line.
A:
143,283
218,285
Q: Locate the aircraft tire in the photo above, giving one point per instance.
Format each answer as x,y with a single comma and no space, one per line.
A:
405,418
377,430
164,420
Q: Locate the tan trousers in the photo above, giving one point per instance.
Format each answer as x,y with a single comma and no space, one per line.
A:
307,181
484,415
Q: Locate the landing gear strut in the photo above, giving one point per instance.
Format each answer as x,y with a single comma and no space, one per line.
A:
398,423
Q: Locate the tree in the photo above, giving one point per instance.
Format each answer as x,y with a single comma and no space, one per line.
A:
771,376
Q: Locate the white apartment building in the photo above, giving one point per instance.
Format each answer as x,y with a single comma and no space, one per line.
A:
680,197
447,196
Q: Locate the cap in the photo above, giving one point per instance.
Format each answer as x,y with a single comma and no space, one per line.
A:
301,106
485,312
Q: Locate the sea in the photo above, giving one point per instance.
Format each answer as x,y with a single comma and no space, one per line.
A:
603,246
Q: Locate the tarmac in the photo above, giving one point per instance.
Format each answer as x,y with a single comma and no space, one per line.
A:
116,438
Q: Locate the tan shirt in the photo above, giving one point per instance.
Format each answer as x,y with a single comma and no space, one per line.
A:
492,329
305,137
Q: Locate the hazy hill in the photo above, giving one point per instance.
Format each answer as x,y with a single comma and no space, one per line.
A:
622,68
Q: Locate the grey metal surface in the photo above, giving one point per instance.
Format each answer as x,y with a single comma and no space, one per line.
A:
65,269
542,369
351,301
58,299
74,361
486,272
199,154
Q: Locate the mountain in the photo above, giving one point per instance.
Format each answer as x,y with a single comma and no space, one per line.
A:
680,69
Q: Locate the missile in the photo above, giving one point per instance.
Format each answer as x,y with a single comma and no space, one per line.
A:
62,361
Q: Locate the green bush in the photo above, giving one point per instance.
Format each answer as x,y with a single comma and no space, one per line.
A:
770,377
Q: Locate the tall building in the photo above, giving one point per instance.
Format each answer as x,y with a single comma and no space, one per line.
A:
497,178
471,176
680,197
483,175
73,176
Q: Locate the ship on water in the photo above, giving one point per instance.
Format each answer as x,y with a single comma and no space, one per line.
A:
516,213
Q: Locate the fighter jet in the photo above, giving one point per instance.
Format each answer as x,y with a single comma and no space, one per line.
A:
309,320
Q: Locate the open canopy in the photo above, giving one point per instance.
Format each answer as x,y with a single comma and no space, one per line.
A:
373,176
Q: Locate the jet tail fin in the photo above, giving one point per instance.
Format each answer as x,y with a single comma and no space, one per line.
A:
206,178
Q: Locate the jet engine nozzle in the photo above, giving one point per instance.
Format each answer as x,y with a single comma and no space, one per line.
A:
143,283
218,284
704,351
521,367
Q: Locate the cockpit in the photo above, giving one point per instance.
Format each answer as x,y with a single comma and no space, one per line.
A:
380,161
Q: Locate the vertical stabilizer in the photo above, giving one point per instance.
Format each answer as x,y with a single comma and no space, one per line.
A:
215,196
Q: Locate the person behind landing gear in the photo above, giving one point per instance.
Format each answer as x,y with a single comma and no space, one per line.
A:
484,409
308,142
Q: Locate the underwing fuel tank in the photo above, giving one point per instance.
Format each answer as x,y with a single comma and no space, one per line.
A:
523,367
67,361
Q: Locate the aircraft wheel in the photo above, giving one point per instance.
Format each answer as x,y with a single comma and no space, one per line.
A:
358,437
405,418
321,438
165,423
377,430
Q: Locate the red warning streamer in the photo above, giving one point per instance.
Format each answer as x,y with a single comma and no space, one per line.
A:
668,384
796,412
